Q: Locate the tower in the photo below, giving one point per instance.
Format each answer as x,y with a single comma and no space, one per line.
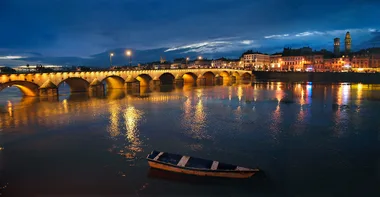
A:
347,42
336,46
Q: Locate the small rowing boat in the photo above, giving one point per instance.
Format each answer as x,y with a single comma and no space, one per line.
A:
197,166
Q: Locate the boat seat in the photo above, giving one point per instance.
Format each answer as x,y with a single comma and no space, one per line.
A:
241,168
214,165
158,156
183,161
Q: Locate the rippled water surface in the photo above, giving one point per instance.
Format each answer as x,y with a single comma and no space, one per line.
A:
310,140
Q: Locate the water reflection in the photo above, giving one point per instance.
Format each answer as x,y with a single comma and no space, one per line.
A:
343,108
194,117
113,128
132,118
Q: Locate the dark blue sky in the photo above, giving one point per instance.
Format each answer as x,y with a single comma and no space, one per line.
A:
47,29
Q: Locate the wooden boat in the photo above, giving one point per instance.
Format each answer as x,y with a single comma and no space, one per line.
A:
197,166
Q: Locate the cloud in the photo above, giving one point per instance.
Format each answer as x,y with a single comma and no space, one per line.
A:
216,45
9,57
276,36
82,28
322,33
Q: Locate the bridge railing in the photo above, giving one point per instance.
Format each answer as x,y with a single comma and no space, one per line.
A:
106,70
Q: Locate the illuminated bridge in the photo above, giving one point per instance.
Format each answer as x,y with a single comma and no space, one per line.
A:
46,84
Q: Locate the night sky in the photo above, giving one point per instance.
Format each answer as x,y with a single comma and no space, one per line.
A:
73,31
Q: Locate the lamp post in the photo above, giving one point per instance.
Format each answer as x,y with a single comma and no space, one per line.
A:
129,54
187,60
111,55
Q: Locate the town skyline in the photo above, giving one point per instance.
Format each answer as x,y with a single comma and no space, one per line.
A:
169,54
169,28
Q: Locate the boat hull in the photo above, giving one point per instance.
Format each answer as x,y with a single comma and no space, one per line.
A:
229,174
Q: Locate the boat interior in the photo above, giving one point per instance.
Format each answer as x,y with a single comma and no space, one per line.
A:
190,162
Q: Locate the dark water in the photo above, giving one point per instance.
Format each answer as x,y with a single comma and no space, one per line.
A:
310,140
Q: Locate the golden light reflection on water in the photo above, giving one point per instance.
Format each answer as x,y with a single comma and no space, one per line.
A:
65,107
276,121
240,93
194,118
132,118
342,109
10,110
359,94
343,94
113,127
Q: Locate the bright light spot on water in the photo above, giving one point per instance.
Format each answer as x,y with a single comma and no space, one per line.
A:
132,117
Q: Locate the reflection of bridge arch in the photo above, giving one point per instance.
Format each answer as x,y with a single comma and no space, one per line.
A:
167,79
144,80
114,82
26,87
189,78
246,76
76,84
209,78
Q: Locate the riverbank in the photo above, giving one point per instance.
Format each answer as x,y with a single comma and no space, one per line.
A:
321,77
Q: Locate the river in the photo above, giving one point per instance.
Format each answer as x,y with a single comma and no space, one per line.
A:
309,140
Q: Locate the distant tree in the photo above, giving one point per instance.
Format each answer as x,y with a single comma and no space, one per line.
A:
7,70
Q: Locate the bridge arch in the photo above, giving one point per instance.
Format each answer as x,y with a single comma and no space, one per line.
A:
144,79
189,78
76,84
167,79
236,75
114,82
209,78
225,75
27,88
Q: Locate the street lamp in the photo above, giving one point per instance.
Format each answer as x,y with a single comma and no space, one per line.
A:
187,60
129,54
200,57
111,55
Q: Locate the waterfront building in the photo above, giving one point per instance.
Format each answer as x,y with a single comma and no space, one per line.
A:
179,63
340,64
360,62
327,64
36,68
367,60
319,63
256,60
294,63
276,62
225,63
314,63
220,63
200,63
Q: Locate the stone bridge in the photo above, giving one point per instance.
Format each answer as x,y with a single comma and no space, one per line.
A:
46,84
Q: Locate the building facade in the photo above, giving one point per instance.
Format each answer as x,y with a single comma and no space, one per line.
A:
256,61
276,63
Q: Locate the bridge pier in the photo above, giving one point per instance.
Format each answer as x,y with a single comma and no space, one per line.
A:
233,79
96,87
218,80
179,82
201,81
132,86
48,89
